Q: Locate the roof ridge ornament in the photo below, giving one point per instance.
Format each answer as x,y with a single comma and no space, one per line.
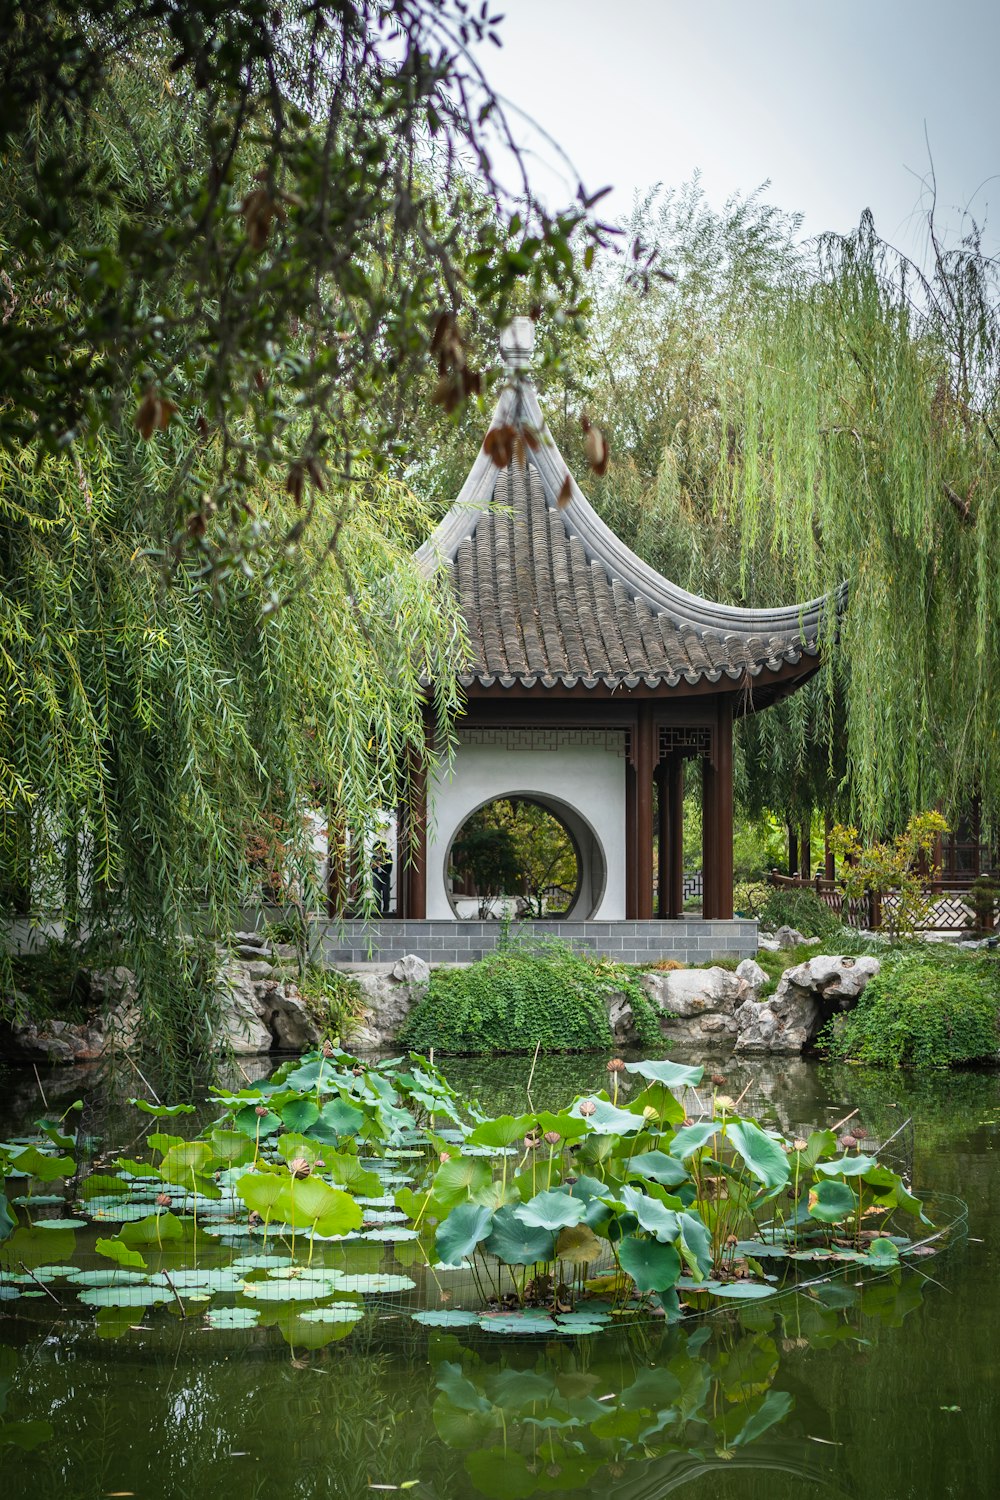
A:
517,345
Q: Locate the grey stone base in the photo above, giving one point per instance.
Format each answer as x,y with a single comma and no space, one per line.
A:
692,940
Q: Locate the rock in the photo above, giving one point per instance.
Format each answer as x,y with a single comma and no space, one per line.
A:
390,992
240,1025
411,970
695,1004
258,969
253,951
788,937
806,997
753,976
110,996
768,944
282,1009
621,1019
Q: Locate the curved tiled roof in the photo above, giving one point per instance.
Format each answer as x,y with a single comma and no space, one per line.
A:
552,597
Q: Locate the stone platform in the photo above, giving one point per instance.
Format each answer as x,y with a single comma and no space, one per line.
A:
691,940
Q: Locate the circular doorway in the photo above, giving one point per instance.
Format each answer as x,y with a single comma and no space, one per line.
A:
526,856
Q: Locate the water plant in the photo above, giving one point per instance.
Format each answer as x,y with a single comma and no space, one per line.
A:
336,1185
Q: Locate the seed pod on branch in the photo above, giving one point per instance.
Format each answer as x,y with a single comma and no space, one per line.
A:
154,412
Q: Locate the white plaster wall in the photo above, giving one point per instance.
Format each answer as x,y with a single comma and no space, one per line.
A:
587,778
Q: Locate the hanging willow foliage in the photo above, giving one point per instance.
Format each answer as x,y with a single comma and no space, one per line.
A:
152,736
788,415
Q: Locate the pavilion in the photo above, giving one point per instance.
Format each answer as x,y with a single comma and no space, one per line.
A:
590,680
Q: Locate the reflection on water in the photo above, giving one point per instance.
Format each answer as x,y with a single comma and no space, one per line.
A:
887,1390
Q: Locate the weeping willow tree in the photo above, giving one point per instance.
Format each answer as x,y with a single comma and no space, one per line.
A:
784,416
234,241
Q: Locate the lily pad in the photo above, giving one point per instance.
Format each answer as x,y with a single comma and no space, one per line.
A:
125,1296
377,1282
232,1317
446,1318
338,1312
743,1291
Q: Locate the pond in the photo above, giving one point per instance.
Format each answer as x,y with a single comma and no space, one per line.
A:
885,1390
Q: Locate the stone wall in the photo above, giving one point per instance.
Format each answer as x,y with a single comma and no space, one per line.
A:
688,941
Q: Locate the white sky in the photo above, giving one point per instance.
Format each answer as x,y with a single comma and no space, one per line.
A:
829,101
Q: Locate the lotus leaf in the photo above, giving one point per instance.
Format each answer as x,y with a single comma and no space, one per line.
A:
607,1118
883,1252
187,1165
118,1277
517,1323
659,1167
232,1317
551,1210
461,1231
847,1166
152,1230
831,1201
115,1250
131,1295
674,1075
40,1200
653,1266
743,1291
518,1244
695,1244
579,1245
338,1312
299,1114
100,1185
34,1163
336,1118
377,1282
347,1172
762,1154
162,1111
299,1289
651,1215
460,1178
254,1126
691,1138
446,1318
60,1223
231,1147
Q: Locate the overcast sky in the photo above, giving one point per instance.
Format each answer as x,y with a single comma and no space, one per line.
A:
830,101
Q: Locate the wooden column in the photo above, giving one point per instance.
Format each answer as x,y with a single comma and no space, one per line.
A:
675,799
660,777
717,818
793,850
709,836
724,809
829,863
644,761
631,870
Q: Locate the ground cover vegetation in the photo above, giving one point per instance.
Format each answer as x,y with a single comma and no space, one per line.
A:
338,1188
928,1007
527,994
233,240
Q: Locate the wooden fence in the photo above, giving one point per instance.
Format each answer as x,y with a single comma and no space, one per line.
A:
948,908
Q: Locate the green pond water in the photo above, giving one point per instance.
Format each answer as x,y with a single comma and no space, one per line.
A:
891,1390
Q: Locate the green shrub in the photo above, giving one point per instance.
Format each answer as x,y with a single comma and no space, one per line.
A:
750,897
928,1008
518,997
801,909
334,1001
